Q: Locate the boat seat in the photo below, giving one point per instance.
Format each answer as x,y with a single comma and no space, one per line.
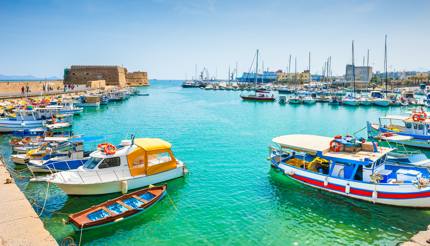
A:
125,205
140,199
148,196
117,208
133,202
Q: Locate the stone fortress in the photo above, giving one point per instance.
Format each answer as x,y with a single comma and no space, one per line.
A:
111,75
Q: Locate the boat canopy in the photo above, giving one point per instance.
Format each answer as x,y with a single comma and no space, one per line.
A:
307,143
150,156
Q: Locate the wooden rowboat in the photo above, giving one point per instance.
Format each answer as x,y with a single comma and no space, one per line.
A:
117,209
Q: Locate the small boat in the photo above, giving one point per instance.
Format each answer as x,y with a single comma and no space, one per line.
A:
352,168
259,95
285,90
350,101
412,130
296,99
309,100
89,101
142,94
136,163
334,100
23,120
379,99
366,101
117,209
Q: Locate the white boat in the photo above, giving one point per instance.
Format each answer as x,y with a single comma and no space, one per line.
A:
138,163
379,99
351,101
296,99
309,100
366,101
355,169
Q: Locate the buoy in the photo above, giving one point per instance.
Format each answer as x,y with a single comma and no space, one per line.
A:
326,181
374,196
124,186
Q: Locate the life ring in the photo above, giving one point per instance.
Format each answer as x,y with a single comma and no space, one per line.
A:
335,146
110,149
338,137
387,134
422,116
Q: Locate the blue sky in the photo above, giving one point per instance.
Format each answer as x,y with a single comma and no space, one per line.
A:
168,37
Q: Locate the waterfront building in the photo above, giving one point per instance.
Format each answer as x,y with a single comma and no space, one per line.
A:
301,77
265,77
112,75
363,74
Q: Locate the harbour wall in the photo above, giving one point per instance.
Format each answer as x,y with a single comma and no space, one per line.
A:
19,223
9,88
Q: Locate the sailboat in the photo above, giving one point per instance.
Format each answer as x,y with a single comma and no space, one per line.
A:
351,100
261,94
380,99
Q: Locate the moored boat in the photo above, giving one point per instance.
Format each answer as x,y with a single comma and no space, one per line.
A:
137,163
355,169
118,209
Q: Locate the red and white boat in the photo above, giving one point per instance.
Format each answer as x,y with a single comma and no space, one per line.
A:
352,168
260,95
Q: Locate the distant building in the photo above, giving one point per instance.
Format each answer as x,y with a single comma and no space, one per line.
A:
137,79
112,75
266,77
363,74
301,77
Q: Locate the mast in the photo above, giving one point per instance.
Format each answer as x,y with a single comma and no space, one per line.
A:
229,75
368,51
386,66
309,67
295,69
353,69
289,65
236,72
256,70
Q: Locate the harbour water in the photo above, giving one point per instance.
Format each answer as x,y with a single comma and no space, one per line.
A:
231,196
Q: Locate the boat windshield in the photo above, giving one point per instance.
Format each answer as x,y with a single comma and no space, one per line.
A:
92,162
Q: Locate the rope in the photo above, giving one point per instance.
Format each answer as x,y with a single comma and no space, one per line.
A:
359,130
80,236
46,198
171,201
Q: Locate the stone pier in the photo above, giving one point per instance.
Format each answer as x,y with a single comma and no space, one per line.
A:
19,223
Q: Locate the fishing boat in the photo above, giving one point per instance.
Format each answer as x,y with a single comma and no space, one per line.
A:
351,168
89,101
412,130
23,120
118,209
134,164
285,90
334,100
75,158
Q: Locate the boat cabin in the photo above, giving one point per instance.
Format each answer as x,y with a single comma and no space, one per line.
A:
142,156
404,124
376,94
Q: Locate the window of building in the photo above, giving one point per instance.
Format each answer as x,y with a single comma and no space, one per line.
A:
110,162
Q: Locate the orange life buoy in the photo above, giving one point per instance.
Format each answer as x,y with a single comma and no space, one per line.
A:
338,137
416,117
335,146
387,134
110,149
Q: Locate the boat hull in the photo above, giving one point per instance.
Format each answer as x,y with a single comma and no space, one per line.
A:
403,195
117,186
259,99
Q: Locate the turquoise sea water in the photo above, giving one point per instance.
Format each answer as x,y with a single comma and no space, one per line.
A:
231,196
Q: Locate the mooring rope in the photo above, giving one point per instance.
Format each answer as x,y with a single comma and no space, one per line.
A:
46,198
80,236
171,201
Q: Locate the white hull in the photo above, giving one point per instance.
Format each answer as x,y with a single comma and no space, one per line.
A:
20,159
117,185
404,195
10,126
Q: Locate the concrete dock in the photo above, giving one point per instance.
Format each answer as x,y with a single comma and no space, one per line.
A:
422,238
19,223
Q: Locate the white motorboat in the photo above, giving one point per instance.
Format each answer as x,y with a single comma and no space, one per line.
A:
137,163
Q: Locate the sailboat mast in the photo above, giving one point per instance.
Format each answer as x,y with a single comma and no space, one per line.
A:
289,65
309,67
295,69
353,69
256,70
386,66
